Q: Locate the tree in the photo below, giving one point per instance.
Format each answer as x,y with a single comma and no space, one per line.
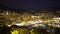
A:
24,31
35,31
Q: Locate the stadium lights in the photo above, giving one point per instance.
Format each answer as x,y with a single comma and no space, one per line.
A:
19,24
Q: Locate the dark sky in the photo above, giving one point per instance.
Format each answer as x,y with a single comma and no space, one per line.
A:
30,4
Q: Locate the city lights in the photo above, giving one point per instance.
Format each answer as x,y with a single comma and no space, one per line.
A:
22,23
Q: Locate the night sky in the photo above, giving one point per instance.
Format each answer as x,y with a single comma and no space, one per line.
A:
30,4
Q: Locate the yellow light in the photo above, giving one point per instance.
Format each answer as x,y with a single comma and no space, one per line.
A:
15,32
9,25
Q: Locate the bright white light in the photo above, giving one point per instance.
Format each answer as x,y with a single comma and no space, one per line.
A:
37,25
57,18
49,24
58,25
41,24
34,22
7,13
28,23
19,24
9,25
